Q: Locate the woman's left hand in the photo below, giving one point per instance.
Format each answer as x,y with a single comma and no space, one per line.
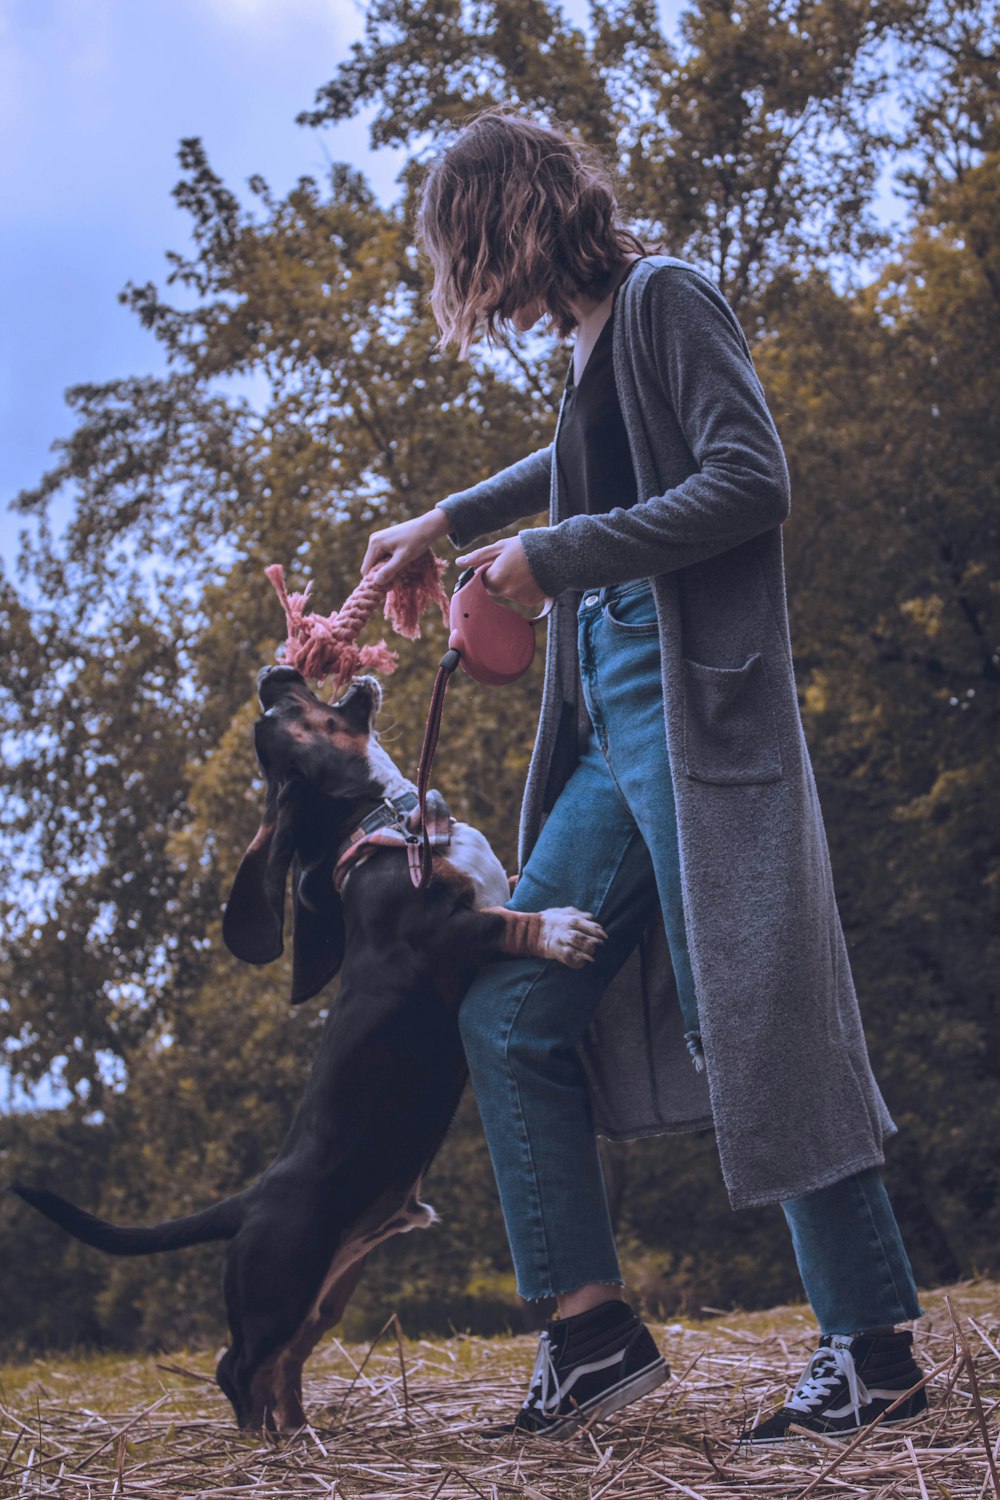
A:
508,574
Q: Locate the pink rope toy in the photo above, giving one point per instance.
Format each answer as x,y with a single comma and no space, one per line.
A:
321,647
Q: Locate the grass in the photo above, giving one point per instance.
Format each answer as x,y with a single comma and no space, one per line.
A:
113,1426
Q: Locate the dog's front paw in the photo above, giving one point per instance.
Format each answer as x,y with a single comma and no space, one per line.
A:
570,935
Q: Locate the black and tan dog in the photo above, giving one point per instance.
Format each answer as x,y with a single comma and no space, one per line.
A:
390,1068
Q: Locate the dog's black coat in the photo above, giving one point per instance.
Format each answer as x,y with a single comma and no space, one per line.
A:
389,1071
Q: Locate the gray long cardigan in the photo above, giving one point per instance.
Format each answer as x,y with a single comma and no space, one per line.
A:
787,1080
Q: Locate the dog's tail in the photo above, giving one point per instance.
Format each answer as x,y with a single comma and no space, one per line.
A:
220,1222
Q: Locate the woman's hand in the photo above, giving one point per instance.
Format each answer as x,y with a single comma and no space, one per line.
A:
394,546
509,574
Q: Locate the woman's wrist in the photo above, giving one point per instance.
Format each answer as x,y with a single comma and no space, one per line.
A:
438,522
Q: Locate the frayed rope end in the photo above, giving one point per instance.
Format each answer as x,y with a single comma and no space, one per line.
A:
321,647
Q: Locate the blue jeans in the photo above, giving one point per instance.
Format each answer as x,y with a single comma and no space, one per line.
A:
609,847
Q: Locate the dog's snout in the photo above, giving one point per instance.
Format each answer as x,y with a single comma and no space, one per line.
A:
273,681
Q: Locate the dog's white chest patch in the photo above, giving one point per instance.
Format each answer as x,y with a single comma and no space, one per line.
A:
385,771
469,850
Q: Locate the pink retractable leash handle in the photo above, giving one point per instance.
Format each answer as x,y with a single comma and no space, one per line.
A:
494,645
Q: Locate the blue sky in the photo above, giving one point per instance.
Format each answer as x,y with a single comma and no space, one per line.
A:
94,97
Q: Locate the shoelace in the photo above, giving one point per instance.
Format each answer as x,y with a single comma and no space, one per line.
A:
825,1370
544,1379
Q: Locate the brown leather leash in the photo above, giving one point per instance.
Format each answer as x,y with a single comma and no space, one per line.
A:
420,856
494,645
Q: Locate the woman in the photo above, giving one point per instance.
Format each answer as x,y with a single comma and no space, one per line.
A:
670,792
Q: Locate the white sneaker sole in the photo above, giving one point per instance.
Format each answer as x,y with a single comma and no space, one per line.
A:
622,1394
762,1445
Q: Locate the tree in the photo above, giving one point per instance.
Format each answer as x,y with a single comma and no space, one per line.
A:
126,696
889,400
750,147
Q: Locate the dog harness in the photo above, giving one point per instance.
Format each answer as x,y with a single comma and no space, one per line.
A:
493,643
395,824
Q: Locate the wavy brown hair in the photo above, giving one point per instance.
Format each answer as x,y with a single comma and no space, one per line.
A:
512,212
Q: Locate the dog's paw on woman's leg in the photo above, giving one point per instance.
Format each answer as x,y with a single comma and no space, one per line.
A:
563,933
569,935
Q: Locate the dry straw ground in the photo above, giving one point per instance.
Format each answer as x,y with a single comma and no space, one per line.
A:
398,1419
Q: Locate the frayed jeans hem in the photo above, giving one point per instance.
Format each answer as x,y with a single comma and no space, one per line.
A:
568,1291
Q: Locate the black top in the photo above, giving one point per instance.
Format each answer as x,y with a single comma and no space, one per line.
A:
595,465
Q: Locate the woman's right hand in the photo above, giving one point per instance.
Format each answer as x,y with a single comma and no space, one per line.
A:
392,547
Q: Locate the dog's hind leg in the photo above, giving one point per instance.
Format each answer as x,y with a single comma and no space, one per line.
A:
284,1397
275,1403
274,1384
285,1391
274,1271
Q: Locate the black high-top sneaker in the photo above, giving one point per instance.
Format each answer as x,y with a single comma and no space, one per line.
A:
588,1366
847,1383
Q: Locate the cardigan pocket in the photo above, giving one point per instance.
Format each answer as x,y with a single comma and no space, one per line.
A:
730,730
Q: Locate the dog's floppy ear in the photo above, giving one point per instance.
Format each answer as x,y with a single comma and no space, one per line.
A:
253,922
318,927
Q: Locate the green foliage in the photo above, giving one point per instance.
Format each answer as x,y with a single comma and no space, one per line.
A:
752,144
126,696
49,1283
889,401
